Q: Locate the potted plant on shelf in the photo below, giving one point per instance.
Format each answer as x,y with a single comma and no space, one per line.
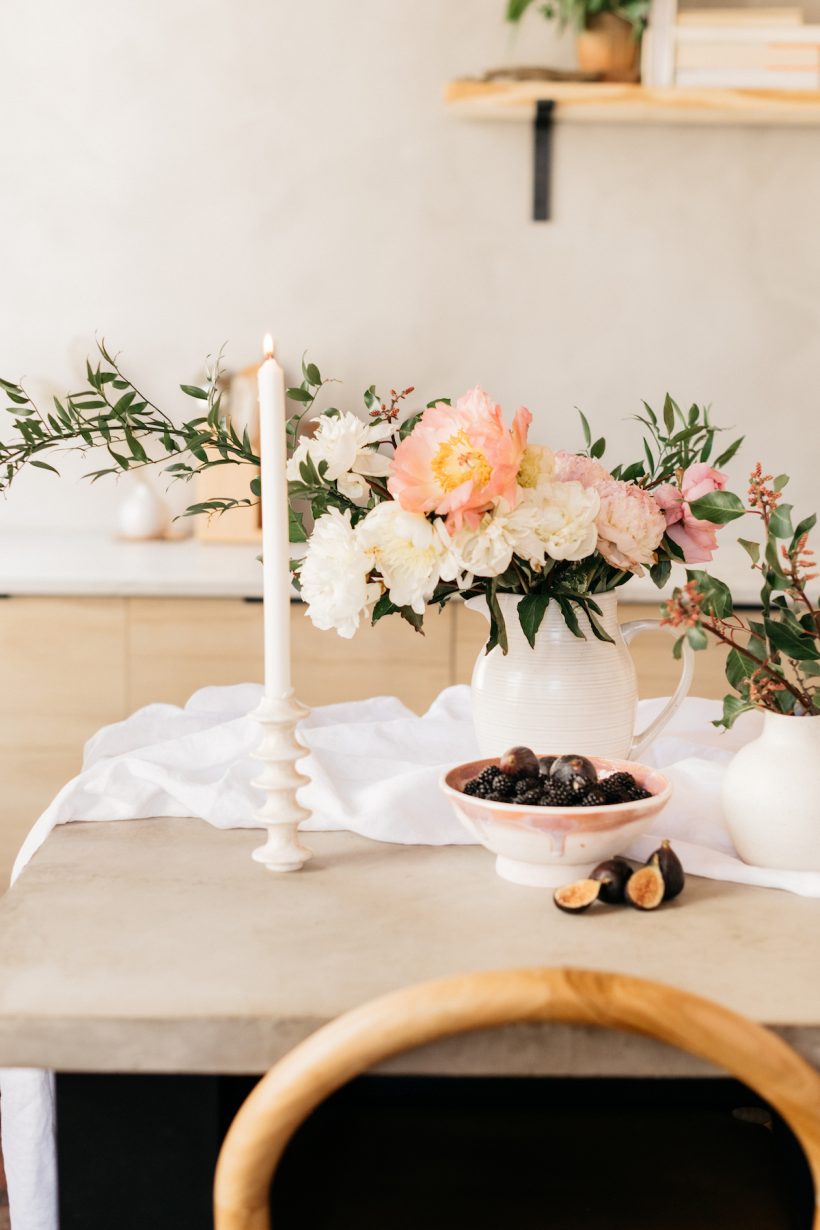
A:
771,792
412,510
608,31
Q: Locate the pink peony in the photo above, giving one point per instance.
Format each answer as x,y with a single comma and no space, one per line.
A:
458,460
573,468
630,526
697,539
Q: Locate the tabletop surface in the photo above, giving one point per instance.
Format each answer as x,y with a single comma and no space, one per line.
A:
160,946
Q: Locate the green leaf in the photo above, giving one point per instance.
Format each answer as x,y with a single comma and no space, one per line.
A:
697,638
729,453
585,426
598,630
193,390
717,595
719,507
661,572
738,667
633,471
780,523
733,706
752,549
531,611
43,465
296,528
413,618
706,451
668,414
383,607
498,629
598,448
570,618
788,641
302,395
803,527
408,425
780,482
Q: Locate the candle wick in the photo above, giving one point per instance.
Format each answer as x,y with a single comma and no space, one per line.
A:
268,346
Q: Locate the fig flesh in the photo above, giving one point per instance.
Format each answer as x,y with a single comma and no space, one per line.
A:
613,876
670,867
576,897
519,760
645,888
574,771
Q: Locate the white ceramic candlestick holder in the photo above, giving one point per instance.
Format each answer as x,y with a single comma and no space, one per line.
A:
281,813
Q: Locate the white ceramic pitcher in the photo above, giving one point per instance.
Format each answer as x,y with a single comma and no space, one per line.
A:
566,694
771,794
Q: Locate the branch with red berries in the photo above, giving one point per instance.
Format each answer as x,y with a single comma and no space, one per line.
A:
774,660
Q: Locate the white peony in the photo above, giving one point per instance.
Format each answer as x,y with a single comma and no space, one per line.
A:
354,487
487,550
567,519
346,444
407,550
334,575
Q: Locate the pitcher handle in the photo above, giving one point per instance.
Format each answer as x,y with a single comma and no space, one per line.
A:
642,740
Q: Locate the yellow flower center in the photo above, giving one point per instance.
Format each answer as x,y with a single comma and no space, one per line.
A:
458,460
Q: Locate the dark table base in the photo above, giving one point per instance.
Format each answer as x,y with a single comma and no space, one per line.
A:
138,1153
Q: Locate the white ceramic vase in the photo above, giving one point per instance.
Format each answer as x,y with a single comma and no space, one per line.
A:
566,694
142,514
771,795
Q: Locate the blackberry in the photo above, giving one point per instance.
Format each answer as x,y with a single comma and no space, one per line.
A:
616,784
594,798
472,786
531,797
558,795
487,776
633,793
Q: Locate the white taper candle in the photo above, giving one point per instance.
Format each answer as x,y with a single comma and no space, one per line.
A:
275,534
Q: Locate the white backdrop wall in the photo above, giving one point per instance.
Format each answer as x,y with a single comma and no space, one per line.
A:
179,173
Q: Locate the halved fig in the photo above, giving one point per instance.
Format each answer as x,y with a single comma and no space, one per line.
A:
573,898
645,888
670,867
613,876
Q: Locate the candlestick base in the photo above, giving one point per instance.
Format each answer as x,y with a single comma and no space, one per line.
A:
281,813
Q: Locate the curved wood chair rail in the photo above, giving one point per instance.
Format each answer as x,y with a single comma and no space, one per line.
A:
428,1011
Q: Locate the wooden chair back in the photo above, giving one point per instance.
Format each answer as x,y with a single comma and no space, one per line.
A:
420,1014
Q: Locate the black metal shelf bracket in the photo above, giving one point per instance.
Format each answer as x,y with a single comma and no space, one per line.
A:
544,115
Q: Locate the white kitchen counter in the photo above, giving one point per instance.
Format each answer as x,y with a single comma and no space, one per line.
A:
83,564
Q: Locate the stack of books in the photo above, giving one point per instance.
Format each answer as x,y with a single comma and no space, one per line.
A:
730,48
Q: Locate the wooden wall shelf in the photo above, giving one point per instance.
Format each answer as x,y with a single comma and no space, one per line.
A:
606,103
541,103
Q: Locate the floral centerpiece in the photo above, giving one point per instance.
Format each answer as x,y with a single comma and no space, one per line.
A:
409,512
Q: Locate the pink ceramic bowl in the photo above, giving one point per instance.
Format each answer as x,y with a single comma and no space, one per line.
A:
548,846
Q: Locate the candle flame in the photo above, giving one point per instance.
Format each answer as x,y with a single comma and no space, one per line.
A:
267,346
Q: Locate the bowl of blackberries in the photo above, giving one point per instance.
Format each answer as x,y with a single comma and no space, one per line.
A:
547,818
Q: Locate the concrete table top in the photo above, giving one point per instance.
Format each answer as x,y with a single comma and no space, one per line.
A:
159,946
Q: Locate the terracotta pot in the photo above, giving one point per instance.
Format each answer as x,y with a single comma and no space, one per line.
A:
567,694
608,46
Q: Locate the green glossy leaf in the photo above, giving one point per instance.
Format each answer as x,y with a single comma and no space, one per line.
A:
803,527
781,522
661,572
193,390
586,428
719,507
598,448
669,415
531,611
793,644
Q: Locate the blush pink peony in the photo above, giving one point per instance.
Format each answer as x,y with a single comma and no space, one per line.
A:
697,539
630,525
459,460
573,468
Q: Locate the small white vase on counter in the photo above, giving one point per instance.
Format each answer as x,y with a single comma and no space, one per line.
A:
142,514
566,694
771,795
